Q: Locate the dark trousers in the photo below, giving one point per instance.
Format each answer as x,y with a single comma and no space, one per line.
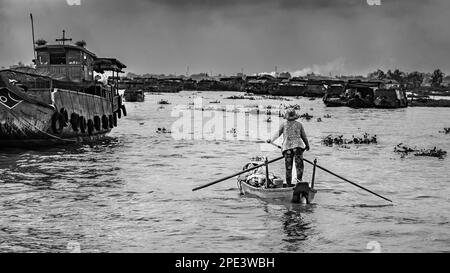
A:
289,157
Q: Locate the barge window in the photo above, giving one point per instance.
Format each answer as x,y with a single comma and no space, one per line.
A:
58,58
73,57
43,58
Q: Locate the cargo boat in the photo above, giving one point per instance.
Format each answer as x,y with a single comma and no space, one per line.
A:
59,101
134,95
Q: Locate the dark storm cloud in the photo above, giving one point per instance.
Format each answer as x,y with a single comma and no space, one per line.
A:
327,36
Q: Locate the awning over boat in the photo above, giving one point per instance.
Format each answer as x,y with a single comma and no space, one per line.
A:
101,65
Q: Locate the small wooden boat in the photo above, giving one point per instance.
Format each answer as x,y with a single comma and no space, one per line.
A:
302,192
286,194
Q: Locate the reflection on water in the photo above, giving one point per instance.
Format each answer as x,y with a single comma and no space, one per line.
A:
132,192
294,226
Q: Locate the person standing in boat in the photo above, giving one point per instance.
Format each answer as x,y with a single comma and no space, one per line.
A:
295,143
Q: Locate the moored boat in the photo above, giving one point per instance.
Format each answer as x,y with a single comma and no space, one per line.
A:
335,95
315,89
133,95
361,94
390,98
294,87
59,101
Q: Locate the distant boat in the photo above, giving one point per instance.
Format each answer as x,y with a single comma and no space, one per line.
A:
293,87
360,94
172,85
390,98
133,95
369,94
59,101
335,95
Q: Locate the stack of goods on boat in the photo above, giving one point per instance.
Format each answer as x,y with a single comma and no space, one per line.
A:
59,101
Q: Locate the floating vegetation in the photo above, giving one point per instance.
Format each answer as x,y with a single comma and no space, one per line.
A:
252,106
293,106
405,150
258,158
306,116
433,153
319,120
215,101
163,102
400,148
331,140
446,131
269,97
241,98
269,119
163,131
327,116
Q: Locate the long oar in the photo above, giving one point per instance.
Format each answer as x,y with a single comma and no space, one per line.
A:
239,173
346,180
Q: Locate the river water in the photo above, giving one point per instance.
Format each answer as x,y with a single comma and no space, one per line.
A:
132,192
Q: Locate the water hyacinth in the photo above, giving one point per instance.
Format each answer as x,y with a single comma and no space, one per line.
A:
331,140
163,131
405,150
240,98
293,106
306,116
163,102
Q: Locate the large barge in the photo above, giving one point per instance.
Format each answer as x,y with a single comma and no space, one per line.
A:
59,101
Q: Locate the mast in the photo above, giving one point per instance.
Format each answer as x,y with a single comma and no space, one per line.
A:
32,33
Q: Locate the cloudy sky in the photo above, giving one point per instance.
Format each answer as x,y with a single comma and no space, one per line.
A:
167,36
